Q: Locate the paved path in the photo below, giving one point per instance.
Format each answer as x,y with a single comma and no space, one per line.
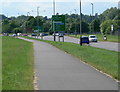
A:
105,45
57,70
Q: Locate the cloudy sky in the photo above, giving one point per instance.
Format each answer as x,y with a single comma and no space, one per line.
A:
21,7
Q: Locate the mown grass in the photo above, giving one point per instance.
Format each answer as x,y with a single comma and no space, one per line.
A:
17,64
104,60
111,38
0,63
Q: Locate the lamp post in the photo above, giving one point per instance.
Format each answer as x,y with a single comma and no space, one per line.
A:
75,21
80,24
92,9
92,27
53,20
38,18
28,13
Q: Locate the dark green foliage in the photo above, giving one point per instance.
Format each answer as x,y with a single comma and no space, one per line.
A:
90,24
95,26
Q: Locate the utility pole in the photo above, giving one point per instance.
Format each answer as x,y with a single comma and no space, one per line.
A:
80,23
53,20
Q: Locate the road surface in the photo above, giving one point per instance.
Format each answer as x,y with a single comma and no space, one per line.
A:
57,70
105,45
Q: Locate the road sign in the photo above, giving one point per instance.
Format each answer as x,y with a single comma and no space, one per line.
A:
58,22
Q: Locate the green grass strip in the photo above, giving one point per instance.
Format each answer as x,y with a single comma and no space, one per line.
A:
17,64
104,60
0,63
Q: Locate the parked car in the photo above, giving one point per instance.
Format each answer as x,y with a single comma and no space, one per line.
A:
43,34
33,34
61,34
84,39
93,38
24,34
56,34
18,34
14,35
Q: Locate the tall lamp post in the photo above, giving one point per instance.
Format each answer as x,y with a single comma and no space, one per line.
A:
92,9
28,13
53,20
38,18
80,23
92,27
75,22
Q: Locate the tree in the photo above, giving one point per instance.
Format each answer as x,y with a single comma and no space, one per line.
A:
17,30
47,26
95,26
6,26
105,27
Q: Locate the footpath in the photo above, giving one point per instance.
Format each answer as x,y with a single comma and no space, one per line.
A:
57,70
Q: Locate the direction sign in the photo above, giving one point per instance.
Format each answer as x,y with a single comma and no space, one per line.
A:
58,22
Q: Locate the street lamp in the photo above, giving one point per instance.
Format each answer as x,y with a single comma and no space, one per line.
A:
75,21
92,9
80,23
53,20
92,27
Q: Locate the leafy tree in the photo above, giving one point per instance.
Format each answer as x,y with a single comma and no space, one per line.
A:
6,26
95,26
109,14
47,26
106,26
17,30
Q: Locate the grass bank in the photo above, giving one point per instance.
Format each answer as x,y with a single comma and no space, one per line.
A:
110,38
17,64
104,60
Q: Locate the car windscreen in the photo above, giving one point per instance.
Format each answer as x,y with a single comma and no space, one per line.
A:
85,39
92,36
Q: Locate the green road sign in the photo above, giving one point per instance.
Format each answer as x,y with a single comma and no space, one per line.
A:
58,22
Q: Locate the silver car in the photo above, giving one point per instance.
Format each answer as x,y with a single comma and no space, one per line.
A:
93,38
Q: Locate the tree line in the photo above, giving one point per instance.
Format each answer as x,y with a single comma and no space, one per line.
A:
102,23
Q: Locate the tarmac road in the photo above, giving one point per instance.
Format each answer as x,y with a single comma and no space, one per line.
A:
57,70
105,45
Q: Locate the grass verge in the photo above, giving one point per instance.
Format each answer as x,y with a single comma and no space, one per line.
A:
17,64
110,38
0,63
104,60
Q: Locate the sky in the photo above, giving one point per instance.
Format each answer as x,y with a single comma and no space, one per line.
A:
21,7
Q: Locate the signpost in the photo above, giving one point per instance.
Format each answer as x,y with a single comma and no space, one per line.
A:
58,24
